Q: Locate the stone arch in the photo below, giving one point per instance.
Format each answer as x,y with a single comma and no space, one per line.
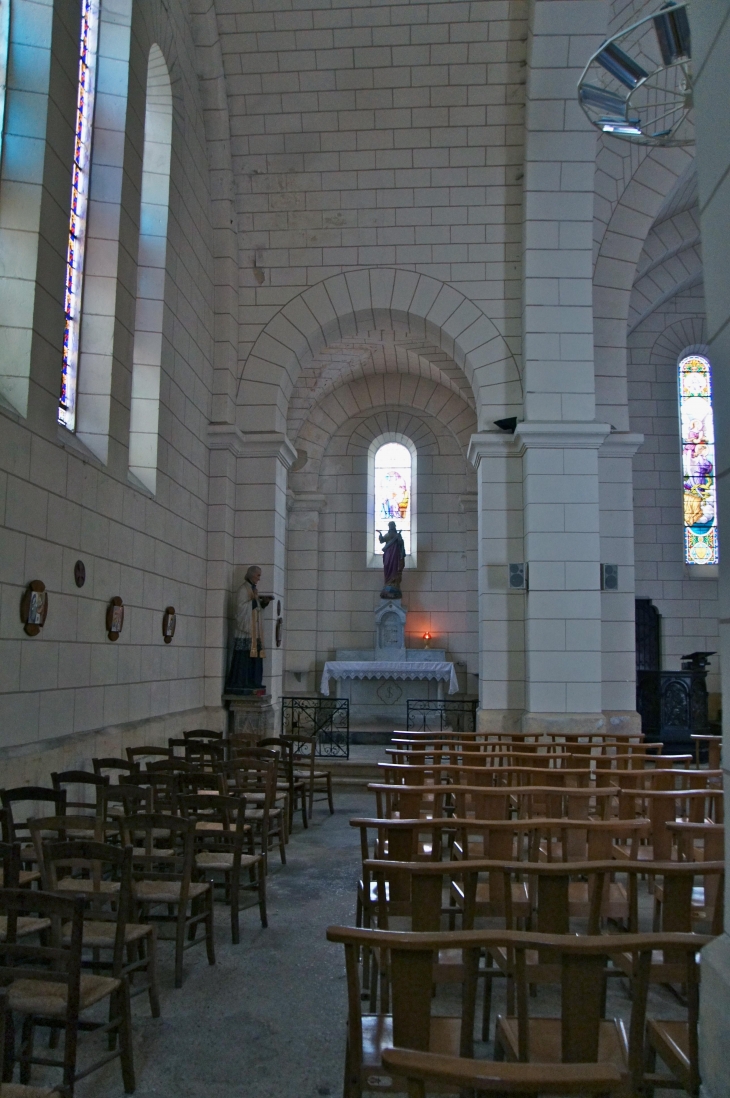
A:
366,299
657,175
392,396
686,336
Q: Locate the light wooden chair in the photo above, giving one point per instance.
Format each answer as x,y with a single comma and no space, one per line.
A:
220,830
164,887
87,869
427,1073
46,987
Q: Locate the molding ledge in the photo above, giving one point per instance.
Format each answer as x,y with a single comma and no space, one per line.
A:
243,444
307,501
557,435
622,444
490,444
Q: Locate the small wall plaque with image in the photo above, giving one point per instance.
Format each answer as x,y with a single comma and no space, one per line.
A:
34,608
114,618
169,621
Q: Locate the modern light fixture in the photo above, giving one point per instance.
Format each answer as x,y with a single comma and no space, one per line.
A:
638,84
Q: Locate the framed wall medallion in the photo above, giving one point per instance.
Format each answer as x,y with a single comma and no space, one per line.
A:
114,618
34,608
169,621
79,573
278,608
279,627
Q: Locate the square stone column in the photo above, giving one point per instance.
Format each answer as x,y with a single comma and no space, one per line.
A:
262,461
301,625
495,456
562,551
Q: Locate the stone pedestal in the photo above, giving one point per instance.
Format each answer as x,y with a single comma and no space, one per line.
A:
250,715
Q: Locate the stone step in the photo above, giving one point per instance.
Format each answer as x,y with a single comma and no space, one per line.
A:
351,772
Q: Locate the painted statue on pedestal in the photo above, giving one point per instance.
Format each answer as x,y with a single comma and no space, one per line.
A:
394,560
245,675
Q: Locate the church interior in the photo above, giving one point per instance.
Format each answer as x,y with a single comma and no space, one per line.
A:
363,594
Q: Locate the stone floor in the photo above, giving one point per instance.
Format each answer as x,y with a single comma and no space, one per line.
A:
268,1021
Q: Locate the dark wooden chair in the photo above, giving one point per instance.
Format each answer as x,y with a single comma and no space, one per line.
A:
427,1072
45,985
114,768
220,833
295,787
24,802
202,734
316,779
18,1090
255,779
164,885
89,788
87,869
144,754
11,874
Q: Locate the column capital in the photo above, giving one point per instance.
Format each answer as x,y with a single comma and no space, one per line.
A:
560,435
488,444
224,436
622,444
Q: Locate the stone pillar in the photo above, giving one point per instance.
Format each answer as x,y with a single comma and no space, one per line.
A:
616,498
300,619
710,22
495,456
562,550
259,532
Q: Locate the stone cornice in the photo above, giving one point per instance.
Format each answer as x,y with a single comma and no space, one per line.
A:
489,444
224,436
622,444
557,435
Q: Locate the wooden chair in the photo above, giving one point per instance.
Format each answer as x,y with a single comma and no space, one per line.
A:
203,734
220,830
77,782
87,869
46,986
63,829
114,768
15,820
10,864
295,787
138,754
163,878
255,779
26,877
304,760
427,1072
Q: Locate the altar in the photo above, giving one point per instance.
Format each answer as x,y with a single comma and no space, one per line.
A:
379,681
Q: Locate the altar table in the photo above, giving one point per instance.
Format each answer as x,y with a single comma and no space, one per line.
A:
441,670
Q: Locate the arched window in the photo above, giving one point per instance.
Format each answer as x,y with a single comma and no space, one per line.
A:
392,493
698,460
88,48
151,264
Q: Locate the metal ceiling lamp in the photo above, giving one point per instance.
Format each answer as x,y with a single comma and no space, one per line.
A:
638,85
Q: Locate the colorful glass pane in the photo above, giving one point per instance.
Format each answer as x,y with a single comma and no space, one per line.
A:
698,461
88,46
393,501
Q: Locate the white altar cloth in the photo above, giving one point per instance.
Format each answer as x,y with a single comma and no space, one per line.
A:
389,669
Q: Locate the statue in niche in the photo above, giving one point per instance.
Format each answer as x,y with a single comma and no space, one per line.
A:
245,675
394,560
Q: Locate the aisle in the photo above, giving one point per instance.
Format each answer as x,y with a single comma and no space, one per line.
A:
268,1020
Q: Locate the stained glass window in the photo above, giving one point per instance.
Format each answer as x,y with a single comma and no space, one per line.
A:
698,461
393,495
88,44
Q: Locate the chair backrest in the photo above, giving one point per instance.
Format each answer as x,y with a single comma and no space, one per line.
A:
171,861
89,787
414,890
219,820
51,960
33,797
135,754
402,840
116,767
104,873
130,798
202,734
45,829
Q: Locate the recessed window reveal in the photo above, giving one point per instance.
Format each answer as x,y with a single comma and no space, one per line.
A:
88,49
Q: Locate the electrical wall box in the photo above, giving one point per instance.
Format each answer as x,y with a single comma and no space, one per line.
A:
518,577
609,577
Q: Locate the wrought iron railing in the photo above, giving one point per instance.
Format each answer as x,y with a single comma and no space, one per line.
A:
441,716
327,719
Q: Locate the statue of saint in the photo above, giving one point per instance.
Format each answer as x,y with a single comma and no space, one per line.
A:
394,559
247,665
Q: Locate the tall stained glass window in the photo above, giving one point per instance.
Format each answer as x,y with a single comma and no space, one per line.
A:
698,461
393,492
88,46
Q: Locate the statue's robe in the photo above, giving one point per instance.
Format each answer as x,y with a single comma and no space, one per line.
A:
247,665
394,559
